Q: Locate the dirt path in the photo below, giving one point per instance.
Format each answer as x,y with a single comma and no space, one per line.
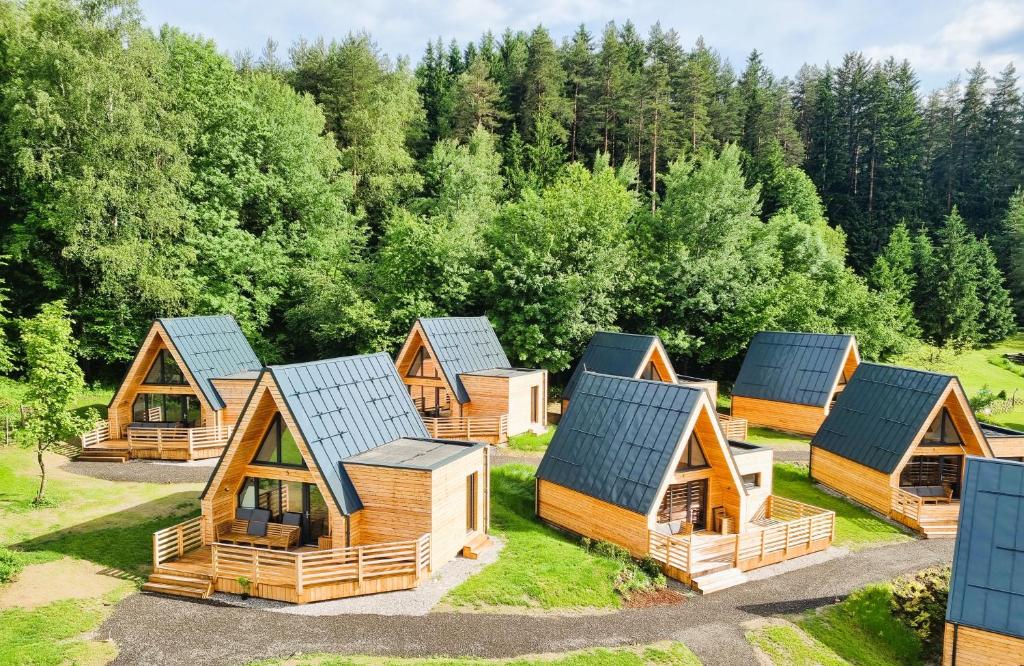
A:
159,630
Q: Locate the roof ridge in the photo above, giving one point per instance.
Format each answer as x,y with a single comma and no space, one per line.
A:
324,361
905,368
640,380
635,335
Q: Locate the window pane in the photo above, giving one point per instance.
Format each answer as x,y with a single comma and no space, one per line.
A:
139,409
268,449
247,496
949,433
290,454
174,408
154,374
193,415
172,373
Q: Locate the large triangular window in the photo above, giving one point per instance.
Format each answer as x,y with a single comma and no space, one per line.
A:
693,456
941,431
278,447
418,361
164,370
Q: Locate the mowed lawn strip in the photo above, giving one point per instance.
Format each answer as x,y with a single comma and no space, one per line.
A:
532,442
768,437
856,527
667,654
539,566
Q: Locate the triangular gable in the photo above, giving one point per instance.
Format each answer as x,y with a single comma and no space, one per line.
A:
416,340
620,355
156,340
462,345
264,404
657,356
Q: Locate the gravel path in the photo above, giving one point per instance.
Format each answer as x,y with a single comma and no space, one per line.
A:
145,471
160,630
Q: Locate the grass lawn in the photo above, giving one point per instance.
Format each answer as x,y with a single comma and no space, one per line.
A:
532,442
855,527
976,370
768,437
539,567
667,654
861,630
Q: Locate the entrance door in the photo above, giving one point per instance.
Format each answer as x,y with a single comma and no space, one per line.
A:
686,502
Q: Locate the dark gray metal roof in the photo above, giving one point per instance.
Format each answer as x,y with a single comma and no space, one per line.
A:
345,406
416,454
878,414
608,353
986,590
211,347
615,441
463,345
798,368
995,432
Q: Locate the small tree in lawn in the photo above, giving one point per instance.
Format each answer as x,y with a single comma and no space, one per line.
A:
54,382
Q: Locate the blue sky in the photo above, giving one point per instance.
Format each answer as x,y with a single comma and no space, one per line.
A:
940,37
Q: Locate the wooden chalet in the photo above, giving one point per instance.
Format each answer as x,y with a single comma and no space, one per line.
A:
985,610
182,393
896,441
789,381
642,357
463,384
643,464
329,488
1005,443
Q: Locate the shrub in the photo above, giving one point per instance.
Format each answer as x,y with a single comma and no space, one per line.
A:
586,543
11,563
643,575
919,602
611,551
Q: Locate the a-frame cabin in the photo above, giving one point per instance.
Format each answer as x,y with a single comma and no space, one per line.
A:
644,464
642,357
985,610
463,384
181,395
329,488
789,381
896,441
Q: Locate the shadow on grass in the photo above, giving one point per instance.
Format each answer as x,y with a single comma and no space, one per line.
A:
114,541
792,607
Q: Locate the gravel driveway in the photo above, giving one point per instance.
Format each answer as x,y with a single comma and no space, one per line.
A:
161,630
145,471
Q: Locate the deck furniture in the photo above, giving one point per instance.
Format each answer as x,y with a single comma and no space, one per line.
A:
251,527
931,494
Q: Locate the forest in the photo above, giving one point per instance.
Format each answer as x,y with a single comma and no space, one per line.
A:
326,195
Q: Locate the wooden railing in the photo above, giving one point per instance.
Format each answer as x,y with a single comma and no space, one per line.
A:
801,526
339,565
469,427
98,434
173,542
733,428
906,506
178,438
675,551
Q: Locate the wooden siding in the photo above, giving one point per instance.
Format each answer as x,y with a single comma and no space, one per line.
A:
591,517
519,398
234,393
976,647
448,511
488,396
863,484
396,502
433,376
785,416
1007,447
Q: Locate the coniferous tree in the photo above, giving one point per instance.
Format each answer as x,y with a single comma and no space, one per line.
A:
543,90
478,101
580,64
953,315
1012,242
996,319
1002,150
893,274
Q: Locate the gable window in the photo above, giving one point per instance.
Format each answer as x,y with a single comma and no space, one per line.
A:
165,370
942,432
650,372
693,456
416,368
278,447
752,481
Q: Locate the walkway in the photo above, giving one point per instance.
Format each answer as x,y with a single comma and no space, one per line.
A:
159,630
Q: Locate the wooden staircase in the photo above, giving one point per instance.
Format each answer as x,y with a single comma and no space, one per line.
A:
179,583
718,579
103,455
712,567
939,521
478,543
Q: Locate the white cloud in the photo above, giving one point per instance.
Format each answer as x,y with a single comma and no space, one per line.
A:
990,32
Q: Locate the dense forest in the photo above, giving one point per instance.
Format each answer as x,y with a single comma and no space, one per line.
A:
328,196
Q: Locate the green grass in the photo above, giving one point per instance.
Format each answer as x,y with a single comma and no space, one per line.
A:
861,631
12,395
531,442
768,437
976,371
668,654
539,567
50,635
855,527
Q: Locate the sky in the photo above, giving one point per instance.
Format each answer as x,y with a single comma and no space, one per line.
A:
941,38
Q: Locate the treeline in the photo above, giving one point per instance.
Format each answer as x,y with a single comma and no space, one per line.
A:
328,198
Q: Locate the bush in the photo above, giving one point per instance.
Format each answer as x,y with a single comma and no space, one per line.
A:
643,575
611,551
919,602
11,563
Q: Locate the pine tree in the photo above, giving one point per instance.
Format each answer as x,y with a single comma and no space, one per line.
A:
612,79
478,101
1002,151
996,320
967,147
543,89
1012,242
580,64
953,317
893,274
697,94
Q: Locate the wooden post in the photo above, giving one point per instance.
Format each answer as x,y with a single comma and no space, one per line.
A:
359,564
160,442
213,561
156,555
181,540
255,566
736,553
786,547
668,552
763,532
298,574
190,443
689,554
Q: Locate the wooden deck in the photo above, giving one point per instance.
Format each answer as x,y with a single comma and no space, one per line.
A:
183,565
101,444
936,520
492,429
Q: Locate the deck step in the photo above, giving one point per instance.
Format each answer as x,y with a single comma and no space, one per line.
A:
718,580
103,455
179,584
478,543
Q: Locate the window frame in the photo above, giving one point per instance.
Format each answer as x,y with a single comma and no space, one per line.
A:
282,427
162,357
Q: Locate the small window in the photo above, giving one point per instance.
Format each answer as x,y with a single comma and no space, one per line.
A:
471,502
279,447
942,431
417,367
751,481
165,370
650,372
693,456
